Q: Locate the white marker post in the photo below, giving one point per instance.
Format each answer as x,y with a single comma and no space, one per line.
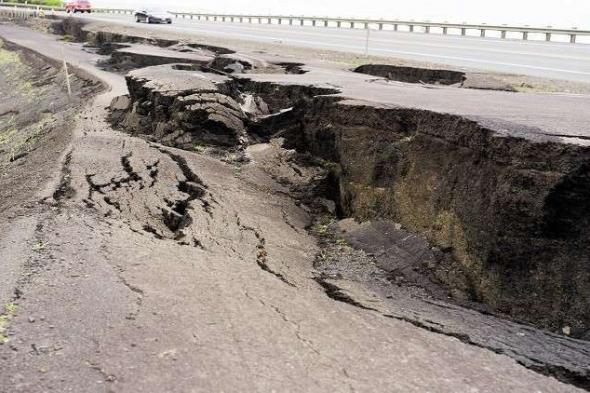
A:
66,72
367,42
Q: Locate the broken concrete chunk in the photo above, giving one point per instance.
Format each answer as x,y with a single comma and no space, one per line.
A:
120,103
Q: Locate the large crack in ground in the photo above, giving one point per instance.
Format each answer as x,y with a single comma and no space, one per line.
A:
261,252
326,128
577,378
319,125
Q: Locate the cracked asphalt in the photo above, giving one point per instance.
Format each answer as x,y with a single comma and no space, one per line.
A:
113,298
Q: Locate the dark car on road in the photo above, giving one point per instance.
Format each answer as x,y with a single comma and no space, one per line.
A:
153,16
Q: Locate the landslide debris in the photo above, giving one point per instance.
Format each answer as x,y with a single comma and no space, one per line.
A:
187,106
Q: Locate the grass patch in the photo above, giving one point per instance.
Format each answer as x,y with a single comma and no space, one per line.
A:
67,38
49,3
7,57
39,246
9,311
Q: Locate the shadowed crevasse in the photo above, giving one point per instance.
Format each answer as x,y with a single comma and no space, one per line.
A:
413,74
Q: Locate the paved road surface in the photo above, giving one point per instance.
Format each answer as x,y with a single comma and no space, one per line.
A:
551,60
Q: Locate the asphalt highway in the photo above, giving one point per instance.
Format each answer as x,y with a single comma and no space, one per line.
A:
556,60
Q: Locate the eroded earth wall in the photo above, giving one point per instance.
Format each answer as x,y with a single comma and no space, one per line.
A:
512,212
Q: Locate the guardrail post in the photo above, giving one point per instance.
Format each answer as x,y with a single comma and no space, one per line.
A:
338,24
352,25
313,22
411,28
572,38
301,22
259,21
366,25
326,23
269,20
426,29
525,35
380,26
445,30
223,18
503,34
547,36
249,20
395,27
482,32
290,22
463,31
280,21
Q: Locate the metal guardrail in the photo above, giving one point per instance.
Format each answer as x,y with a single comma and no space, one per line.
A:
22,13
378,24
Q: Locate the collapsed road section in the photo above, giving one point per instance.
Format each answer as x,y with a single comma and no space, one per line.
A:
508,211
259,207
476,195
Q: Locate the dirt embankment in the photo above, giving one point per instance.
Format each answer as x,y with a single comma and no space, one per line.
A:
36,119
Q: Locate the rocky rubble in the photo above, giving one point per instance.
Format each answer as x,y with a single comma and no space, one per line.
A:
182,113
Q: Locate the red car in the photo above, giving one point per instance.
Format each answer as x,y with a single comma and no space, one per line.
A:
78,6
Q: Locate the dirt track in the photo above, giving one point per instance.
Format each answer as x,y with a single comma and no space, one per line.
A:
110,295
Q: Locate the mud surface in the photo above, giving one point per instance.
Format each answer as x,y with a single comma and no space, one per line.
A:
163,269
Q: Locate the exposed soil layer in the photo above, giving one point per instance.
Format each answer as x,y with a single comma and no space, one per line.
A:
490,201
185,106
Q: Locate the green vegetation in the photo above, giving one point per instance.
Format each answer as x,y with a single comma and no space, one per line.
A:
39,246
49,3
8,57
9,311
